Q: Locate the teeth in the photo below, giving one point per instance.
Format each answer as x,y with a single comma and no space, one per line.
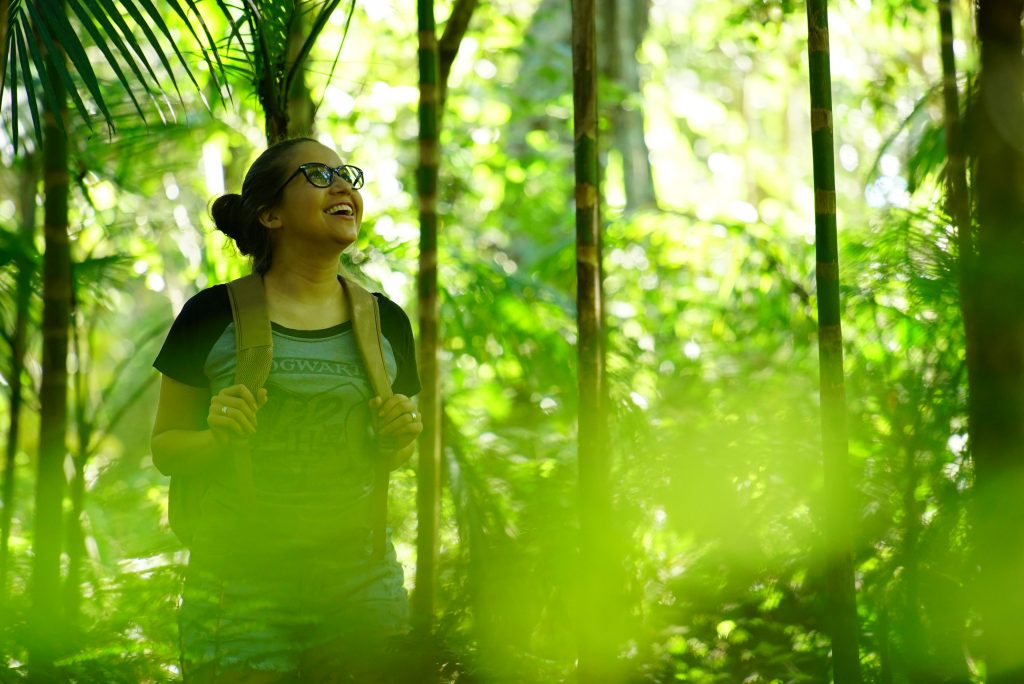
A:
340,209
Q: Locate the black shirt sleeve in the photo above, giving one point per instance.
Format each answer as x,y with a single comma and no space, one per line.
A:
395,326
193,333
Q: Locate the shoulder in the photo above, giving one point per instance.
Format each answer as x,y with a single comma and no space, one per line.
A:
390,312
211,303
196,328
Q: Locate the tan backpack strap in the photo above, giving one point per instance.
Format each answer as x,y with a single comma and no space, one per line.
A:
253,341
365,314
254,355
366,328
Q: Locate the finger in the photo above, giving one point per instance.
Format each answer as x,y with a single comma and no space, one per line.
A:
261,397
401,427
242,392
396,406
239,412
233,406
226,425
400,422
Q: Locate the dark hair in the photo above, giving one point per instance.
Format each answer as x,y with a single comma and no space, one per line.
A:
238,216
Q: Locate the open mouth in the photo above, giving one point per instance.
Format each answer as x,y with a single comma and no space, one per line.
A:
341,209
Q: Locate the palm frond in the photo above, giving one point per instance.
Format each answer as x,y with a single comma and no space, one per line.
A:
35,30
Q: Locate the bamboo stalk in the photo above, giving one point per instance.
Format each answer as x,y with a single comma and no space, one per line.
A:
29,179
597,627
839,563
428,494
45,585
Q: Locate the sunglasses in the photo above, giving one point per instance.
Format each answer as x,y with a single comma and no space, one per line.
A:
322,175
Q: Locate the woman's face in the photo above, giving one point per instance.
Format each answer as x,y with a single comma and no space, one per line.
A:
310,215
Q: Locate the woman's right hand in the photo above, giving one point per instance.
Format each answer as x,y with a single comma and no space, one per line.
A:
233,413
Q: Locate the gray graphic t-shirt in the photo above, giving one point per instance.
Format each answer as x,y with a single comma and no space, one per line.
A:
311,456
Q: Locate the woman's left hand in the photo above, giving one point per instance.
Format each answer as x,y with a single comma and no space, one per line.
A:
398,424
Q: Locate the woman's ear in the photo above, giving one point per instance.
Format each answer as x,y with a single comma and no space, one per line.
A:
270,218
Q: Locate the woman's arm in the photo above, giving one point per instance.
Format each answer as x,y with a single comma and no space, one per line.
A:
191,429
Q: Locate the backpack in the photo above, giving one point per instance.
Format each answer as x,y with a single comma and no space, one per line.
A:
254,355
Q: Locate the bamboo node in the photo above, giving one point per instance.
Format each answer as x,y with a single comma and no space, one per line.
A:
817,39
55,179
830,338
428,204
825,202
428,261
821,117
429,154
586,254
586,195
428,93
827,270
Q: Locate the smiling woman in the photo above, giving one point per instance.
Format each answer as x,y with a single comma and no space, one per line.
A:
288,587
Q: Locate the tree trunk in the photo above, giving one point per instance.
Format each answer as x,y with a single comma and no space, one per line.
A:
448,46
839,563
74,525
997,332
428,492
598,635
625,24
949,626
29,181
957,204
45,632
301,108
276,121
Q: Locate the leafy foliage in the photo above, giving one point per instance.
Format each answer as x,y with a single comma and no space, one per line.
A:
710,317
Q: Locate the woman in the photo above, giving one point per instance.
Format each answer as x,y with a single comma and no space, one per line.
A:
288,589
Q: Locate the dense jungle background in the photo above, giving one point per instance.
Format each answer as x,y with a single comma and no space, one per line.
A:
723,564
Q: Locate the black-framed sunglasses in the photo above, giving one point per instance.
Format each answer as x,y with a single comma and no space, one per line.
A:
322,175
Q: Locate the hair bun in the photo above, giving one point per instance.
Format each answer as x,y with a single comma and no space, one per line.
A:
229,217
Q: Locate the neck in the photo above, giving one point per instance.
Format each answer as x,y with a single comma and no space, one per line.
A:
307,280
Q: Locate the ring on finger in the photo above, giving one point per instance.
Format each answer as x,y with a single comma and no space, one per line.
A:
223,409
413,415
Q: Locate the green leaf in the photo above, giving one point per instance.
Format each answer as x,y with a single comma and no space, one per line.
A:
60,67
44,82
72,45
109,32
140,20
14,92
99,12
29,85
101,43
162,25
209,37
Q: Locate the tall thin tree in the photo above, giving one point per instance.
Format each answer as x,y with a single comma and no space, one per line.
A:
435,63
26,273
624,23
948,630
837,508
45,589
597,627
428,491
997,332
